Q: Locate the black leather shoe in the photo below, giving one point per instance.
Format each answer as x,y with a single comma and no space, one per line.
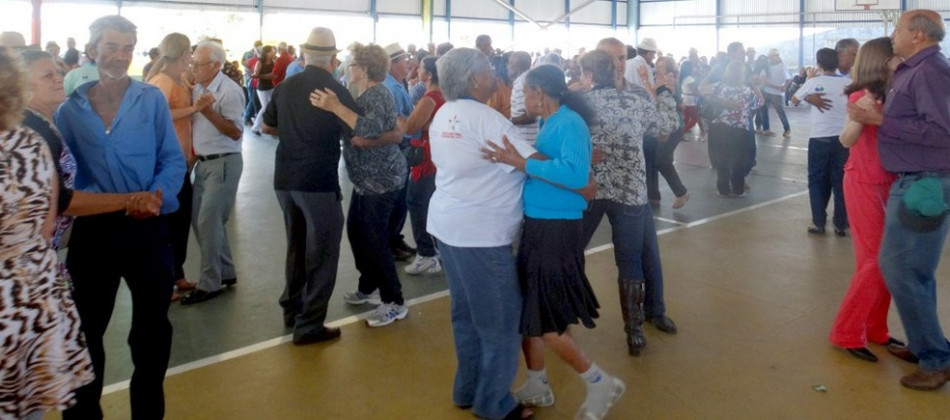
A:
862,353
402,251
664,323
815,230
229,282
199,296
901,351
326,334
840,233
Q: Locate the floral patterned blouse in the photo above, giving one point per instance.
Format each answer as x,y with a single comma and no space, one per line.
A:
621,119
732,116
375,170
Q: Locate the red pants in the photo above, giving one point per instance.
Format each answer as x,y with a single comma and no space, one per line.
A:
690,117
863,314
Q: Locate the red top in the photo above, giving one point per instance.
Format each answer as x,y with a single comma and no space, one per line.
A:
864,162
280,68
427,168
251,63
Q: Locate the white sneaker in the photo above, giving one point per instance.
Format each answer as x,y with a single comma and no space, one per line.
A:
600,397
386,314
535,395
424,265
359,298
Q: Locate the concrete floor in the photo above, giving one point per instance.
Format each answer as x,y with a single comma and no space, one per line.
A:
753,294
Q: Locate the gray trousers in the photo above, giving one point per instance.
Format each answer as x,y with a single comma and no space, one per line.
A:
215,189
314,223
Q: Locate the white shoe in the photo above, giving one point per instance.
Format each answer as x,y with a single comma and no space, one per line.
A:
600,397
533,395
359,298
424,265
386,314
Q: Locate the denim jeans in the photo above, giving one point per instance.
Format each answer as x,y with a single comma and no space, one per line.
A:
826,159
776,102
419,194
367,228
636,251
909,261
486,312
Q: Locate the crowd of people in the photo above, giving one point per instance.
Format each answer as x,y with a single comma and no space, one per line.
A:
485,152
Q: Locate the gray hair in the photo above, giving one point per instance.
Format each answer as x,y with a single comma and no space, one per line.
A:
116,23
845,44
932,28
456,70
315,59
215,51
601,67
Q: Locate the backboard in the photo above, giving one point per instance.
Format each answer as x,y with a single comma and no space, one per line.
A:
875,5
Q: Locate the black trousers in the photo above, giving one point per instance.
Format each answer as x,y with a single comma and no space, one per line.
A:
180,225
103,250
366,227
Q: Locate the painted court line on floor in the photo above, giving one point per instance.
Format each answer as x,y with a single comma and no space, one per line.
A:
264,345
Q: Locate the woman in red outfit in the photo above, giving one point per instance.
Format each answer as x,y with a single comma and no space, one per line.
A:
863,314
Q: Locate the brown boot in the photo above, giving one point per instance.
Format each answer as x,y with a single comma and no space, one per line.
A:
632,293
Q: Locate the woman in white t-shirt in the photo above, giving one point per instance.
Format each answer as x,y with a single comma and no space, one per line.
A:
474,215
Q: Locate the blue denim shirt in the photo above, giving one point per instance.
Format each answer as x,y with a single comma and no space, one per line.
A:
139,153
403,102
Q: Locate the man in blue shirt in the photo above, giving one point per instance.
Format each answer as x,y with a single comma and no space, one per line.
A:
121,134
398,70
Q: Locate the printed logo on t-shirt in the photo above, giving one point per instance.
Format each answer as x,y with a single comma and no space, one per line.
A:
453,126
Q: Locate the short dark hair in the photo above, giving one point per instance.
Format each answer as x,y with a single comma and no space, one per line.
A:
827,59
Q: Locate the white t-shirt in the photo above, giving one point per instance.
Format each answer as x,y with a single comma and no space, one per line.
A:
528,131
477,203
632,71
690,91
830,122
778,75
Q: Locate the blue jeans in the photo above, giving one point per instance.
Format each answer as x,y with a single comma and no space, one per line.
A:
486,312
908,260
419,194
826,159
636,251
253,104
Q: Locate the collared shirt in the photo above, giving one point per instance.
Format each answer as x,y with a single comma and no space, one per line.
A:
915,133
140,152
80,76
403,101
621,119
528,131
229,102
632,72
308,153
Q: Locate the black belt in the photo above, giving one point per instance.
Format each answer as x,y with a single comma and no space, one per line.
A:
213,157
925,173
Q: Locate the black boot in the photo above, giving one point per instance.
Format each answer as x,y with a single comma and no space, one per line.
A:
632,293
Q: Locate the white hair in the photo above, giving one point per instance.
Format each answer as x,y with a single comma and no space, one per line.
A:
315,59
215,50
457,68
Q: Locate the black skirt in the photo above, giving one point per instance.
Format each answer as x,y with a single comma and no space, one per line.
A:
551,270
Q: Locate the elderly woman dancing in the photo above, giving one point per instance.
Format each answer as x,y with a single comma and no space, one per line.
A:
551,255
474,215
43,358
